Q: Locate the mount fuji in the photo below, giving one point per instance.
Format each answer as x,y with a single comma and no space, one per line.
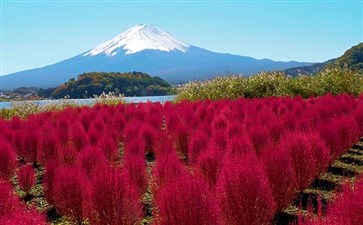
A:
148,49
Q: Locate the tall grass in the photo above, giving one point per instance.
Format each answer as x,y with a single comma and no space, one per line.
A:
23,109
335,81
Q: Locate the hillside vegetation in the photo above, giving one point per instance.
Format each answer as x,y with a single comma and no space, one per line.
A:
351,59
129,84
333,81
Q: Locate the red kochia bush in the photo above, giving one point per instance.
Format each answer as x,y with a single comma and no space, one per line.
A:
115,201
260,138
281,175
135,172
7,160
276,129
12,212
132,134
49,145
330,135
168,168
86,120
220,138
339,134
240,145
182,140
348,132
109,147
244,193
300,149
164,145
9,202
91,159
26,178
135,146
209,165
150,135
15,123
118,122
358,115
220,122
321,153
48,180
98,124
78,136
69,155
93,136
29,146
185,201
24,217
235,129
72,193
197,144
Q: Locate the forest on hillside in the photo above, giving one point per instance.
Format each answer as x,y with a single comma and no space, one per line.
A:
95,83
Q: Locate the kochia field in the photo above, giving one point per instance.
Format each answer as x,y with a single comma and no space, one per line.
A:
225,162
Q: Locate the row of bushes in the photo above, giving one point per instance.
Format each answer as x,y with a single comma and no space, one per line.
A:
335,81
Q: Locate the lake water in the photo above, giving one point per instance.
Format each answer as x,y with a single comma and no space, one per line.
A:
161,99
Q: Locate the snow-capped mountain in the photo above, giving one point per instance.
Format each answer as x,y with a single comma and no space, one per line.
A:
148,49
137,39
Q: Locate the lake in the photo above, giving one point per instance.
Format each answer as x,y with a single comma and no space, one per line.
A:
161,99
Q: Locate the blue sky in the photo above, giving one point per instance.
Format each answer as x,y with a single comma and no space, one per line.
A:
39,33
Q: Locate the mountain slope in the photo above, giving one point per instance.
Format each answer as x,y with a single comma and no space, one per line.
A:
147,49
307,70
351,59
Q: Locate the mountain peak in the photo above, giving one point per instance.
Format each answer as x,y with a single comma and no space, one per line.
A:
139,38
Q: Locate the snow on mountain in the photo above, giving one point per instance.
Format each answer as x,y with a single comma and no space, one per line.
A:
139,38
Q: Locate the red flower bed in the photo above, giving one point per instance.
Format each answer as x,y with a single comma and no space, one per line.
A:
208,162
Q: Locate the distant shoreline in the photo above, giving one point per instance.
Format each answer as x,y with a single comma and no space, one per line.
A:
90,101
